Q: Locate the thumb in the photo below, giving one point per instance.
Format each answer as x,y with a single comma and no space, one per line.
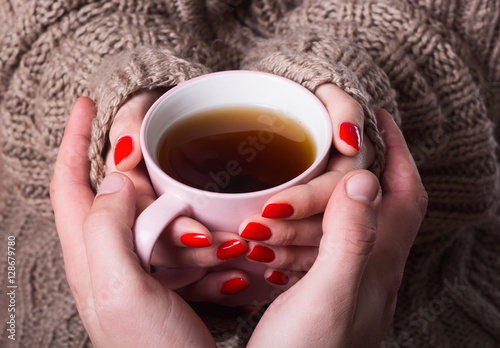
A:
108,232
349,234
331,286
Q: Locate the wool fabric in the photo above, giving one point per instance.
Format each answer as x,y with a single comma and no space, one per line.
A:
433,64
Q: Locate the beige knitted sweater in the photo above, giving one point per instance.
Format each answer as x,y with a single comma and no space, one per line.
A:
434,64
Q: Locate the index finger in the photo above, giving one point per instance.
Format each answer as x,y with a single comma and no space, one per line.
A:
347,118
70,193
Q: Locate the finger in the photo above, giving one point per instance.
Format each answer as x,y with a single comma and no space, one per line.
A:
282,279
186,232
108,237
404,197
311,198
303,232
145,194
128,121
350,225
225,246
216,287
347,118
176,278
71,196
125,131
293,258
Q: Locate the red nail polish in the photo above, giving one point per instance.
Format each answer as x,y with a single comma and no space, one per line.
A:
233,286
195,240
277,211
261,253
278,278
349,133
256,231
254,310
231,249
123,148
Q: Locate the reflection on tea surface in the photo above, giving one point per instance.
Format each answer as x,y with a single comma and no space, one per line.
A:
235,150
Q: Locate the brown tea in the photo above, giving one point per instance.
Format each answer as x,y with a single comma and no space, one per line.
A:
235,150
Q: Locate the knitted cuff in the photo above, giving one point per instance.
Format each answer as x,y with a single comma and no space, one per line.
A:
311,71
120,77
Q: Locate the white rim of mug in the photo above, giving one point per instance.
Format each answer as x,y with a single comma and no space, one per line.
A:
147,156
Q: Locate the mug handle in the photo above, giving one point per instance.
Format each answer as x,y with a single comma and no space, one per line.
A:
152,221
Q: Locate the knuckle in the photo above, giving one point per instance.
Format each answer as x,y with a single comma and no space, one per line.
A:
284,260
352,104
422,200
315,196
295,258
308,260
97,220
72,282
53,192
286,235
359,239
199,258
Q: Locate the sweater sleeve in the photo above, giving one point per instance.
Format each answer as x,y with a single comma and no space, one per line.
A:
441,58
393,55
118,78
312,58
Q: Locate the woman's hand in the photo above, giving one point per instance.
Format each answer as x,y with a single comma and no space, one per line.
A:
348,297
291,238
120,304
185,243
286,236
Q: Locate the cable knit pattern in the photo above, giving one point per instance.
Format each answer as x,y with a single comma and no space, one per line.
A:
143,69
434,64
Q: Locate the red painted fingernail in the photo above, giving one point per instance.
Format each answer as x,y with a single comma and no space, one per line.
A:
261,253
233,286
277,211
278,278
349,133
256,231
254,310
195,240
231,249
123,148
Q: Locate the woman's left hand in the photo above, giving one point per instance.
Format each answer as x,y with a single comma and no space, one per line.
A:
119,303
286,236
348,297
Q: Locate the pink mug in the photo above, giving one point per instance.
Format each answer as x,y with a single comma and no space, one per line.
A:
222,211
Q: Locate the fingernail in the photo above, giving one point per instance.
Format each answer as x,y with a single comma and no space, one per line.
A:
256,231
254,310
233,286
277,211
278,278
349,133
231,249
261,253
363,187
195,240
111,183
123,148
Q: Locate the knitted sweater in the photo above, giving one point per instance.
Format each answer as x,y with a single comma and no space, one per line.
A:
433,64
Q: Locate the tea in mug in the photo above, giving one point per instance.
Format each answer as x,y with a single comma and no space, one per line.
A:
236,150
